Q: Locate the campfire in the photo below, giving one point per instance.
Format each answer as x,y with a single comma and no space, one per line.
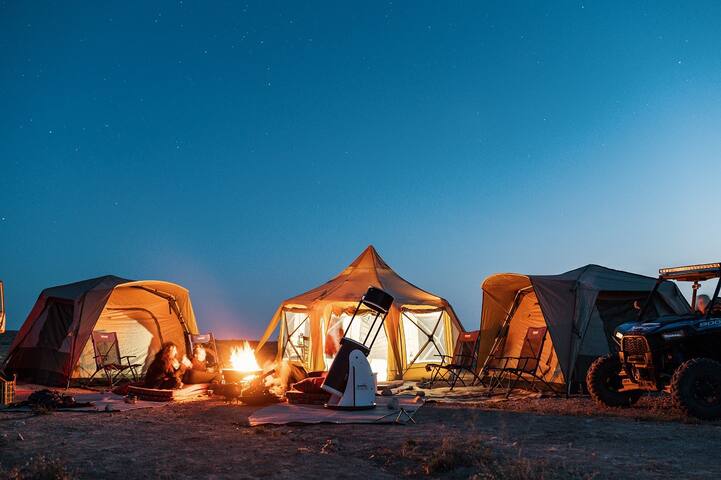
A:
246,381
244,365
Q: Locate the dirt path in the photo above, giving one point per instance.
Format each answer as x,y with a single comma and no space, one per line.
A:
211,440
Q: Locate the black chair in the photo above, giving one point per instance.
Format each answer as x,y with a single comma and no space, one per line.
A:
108,359
464,360
511,372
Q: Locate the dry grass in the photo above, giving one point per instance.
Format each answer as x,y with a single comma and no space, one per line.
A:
38,468
651,407
451,458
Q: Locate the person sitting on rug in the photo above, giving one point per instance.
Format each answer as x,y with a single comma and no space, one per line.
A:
200,372
166,371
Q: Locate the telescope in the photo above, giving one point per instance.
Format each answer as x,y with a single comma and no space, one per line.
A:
350,381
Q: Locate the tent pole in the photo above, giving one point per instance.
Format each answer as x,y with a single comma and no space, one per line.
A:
75,339
155,319
172,301
500,336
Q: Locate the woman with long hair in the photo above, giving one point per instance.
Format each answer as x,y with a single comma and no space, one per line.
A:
166,371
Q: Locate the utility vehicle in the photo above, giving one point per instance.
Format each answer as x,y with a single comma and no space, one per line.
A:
680,354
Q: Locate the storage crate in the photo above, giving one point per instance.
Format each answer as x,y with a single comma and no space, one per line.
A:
7,391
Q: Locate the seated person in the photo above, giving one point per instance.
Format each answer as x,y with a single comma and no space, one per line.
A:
166,371
702,302
199,371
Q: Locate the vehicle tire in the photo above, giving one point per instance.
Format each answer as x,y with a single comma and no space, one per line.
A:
696,388
603,381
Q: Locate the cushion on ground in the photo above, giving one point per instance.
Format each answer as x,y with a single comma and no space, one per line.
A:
164,395
304,398
310,385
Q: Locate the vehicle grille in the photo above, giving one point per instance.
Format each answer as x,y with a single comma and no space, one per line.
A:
634,345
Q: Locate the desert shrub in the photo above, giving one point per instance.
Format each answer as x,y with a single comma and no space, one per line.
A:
38,468
451,455
476,460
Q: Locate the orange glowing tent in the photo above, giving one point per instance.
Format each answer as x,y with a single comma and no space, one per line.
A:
420,326
54,344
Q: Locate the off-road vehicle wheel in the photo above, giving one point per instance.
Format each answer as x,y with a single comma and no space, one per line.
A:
604,383
696,388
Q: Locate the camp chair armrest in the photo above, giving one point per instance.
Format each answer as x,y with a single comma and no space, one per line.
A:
445,359
464,356
526,359
515,358
127,358
499,361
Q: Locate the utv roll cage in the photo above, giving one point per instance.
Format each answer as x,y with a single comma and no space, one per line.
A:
689,273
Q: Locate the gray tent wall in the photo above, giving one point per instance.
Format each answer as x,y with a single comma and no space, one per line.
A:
568,303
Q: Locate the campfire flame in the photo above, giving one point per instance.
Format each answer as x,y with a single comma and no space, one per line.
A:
243,359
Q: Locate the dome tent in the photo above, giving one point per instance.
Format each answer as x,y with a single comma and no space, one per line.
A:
54,345
419,327
581,309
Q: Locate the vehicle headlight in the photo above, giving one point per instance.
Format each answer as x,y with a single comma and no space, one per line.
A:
673,335
618,335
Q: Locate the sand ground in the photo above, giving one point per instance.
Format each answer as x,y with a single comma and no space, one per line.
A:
533,438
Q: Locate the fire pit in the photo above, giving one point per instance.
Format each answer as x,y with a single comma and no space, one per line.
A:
231,375
246,381
244,366
257,393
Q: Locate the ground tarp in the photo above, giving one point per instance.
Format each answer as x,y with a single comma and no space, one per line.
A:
286,413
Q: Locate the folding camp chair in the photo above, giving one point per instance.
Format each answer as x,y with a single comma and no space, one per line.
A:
464,360
108,359
207,340
509,372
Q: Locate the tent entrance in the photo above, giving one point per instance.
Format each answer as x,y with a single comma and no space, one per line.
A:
616,308
525,313
424,335
139,336
361,327
296,341
56,318
499,342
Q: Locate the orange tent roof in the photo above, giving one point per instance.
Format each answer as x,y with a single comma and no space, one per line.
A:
368,269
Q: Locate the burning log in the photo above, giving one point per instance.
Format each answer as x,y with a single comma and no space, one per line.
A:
246,381
258,391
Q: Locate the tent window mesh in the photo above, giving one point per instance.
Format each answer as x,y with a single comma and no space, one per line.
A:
424,335
338,326
296,345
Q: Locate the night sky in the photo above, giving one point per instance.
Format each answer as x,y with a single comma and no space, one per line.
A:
250,151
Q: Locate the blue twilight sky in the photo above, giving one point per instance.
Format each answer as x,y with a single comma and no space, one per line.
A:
249,151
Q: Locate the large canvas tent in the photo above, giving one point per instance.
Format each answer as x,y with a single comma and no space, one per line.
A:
419,327
54,344
581,308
